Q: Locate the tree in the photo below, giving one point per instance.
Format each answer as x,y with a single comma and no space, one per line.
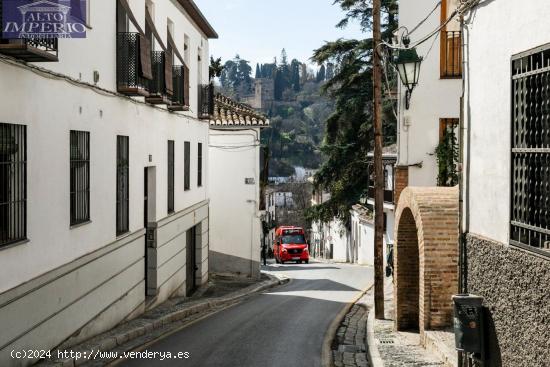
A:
330,71
216,68
236,76
348,132
295,66
258,72
321,74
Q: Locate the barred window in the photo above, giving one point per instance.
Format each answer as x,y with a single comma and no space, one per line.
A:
530,153
170,176
122,185
187,166
13,183
199,165
79,176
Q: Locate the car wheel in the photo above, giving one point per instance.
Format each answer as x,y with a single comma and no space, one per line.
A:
307,261
282,262
298,262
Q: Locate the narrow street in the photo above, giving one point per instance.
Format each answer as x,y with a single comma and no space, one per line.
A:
281,327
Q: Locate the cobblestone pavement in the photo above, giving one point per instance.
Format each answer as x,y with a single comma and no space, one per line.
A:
399,349
349,347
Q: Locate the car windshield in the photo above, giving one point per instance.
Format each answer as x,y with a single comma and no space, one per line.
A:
293,238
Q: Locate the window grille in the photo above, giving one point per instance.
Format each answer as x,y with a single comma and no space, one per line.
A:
187,166
170,176
199,165
530,153
13,183
122,185
79,176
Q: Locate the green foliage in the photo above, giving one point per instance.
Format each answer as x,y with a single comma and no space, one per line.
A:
236,76
321,74
349,129
446,154
216,68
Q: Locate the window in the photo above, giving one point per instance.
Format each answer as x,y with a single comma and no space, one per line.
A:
79,177
530,155
199,166
450,42
122,185
170,176
13,183
187,166
447,152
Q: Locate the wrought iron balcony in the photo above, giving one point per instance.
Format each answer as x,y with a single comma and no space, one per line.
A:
451,54
388,195
206,101
129,79
30,49
157,86
178,97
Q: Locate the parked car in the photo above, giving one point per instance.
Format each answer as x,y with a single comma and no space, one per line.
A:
290,245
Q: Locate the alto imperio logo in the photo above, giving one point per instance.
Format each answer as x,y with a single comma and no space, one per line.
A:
44,18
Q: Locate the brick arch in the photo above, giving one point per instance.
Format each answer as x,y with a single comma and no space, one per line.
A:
425,257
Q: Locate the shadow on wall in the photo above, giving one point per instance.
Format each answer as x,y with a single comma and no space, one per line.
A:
492,347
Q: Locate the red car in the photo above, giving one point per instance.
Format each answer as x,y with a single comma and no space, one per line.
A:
290,245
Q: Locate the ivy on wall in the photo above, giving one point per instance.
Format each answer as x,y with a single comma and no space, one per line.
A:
446,154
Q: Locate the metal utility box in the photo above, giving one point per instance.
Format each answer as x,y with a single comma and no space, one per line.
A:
468,323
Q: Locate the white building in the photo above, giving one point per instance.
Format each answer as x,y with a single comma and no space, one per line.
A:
421,126
362,216
329,240
235,177
505,192
103,194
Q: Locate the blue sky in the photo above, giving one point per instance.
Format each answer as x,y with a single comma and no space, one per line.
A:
259,29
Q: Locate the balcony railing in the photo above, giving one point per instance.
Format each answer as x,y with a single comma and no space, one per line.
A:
27,49
30,49
206,101
388,195
157,86
129,79
178,97
451,54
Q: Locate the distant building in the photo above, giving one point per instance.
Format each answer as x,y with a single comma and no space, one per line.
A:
264,94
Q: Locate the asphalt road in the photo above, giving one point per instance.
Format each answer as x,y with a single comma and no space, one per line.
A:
284,326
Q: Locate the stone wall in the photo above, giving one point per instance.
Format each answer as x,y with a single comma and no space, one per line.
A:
516,286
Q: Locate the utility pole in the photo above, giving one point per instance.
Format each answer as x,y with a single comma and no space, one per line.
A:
378,169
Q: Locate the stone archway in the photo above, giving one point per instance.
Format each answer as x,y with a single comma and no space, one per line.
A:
425,257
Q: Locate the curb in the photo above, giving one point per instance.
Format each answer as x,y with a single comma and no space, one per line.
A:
372,349
112,341
326,350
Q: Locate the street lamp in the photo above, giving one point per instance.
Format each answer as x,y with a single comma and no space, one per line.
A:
408,65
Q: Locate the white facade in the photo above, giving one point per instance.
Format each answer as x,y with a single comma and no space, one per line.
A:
362,234
85,278
419,126
488,95
236,233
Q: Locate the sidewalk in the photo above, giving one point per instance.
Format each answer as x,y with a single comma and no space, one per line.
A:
362,341
397,349
221,292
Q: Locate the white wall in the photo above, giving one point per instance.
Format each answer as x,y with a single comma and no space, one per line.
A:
79,58
235,227
519,28
364,237
432,99
51,108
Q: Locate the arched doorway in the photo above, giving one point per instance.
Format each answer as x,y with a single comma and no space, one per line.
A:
425,258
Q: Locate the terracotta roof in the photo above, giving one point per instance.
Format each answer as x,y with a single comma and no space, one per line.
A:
228,113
